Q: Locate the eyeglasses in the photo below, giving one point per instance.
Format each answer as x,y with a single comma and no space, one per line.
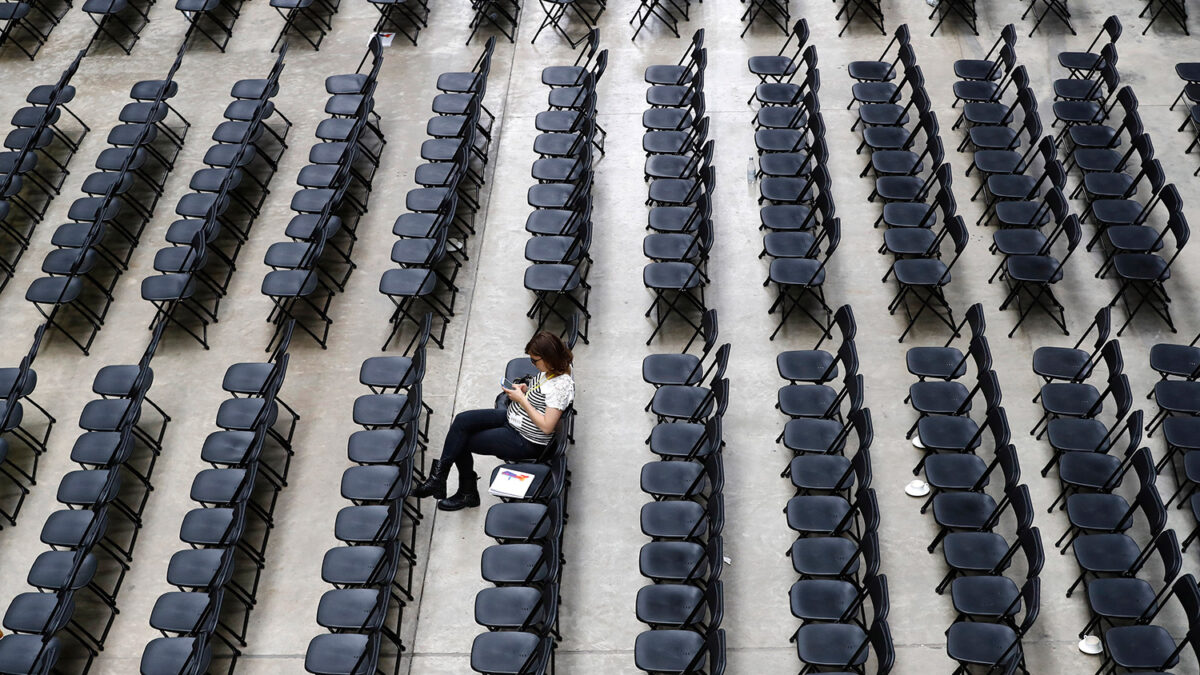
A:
535,359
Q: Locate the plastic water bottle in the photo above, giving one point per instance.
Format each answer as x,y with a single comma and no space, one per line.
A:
751,170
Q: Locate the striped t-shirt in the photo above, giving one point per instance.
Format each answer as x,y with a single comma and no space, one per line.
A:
544,392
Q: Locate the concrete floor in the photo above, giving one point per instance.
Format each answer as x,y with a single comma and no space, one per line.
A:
603,538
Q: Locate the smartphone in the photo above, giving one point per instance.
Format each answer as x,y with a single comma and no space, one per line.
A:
507,384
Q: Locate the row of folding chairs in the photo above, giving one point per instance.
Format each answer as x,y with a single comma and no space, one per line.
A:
211,19
796,203
503,15
309,268
17,384
310,19
679,171
215,219
1116,160
667,12
994,610
119,22
93,250
27,23
217,575
684,604
1004,133
402,17
434,234
1101,521
1178,367
1189,72
520,611
68,616
560,225
840,598
372,572
777,12
34,163
902,134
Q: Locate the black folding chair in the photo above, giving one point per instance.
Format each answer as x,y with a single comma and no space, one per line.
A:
925,279
1056,7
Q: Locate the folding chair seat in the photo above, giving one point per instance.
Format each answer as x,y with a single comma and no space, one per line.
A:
964,470
681,561
1102,510
986,552
965,512
678,95
342,654
788,93
681,606
846,645
1124,599
881,69
683,520
681,72
955,431
553,284
827,436
836,557
65,291
683,368
518,608
946,362
778,66
819,400
1170,360
191,613
898,138
1085,62
357,610
1110,554
680,651
683,123
995,645
816,365
1074,364
692,403
884,90
987,68
683,480
833,600
572,75
675,141
833,515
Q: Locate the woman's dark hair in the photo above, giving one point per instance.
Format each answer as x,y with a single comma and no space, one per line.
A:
556,355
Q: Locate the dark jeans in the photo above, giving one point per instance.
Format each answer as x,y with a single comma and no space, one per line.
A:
484,432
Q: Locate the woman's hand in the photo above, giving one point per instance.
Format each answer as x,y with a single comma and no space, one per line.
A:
517,393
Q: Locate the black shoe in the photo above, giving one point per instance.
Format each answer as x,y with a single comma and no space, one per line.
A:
466,497
435,484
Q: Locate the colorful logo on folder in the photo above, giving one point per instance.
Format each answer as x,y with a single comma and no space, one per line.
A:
517,476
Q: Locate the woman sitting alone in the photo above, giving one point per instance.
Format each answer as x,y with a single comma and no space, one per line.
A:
518,432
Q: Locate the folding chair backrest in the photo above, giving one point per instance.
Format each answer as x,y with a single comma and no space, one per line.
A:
958,233
1189,597
997,425
1113,360
864,431
592,42
1167,546
843,318
880,637
1112,26
1030,540
976,319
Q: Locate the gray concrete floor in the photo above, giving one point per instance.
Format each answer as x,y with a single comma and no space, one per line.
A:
603,539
